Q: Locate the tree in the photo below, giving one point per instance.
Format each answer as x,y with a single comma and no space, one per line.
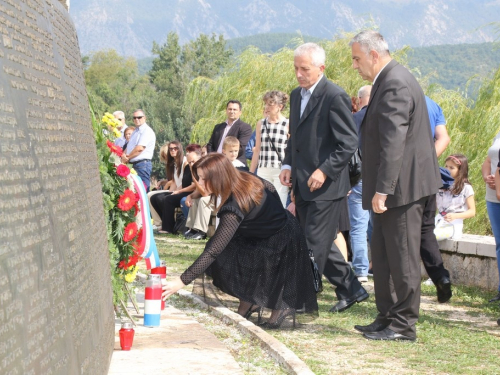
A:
114,83
174,67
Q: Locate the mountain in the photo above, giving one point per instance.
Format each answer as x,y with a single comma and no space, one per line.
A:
130,26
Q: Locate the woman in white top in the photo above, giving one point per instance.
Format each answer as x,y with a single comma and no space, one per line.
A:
172,155
271,137
492,203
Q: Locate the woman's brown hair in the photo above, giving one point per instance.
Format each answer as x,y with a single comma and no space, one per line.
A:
224,180
174,162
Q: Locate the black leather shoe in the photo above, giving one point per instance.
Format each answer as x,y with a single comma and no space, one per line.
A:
189,232
496,298
387,334
374,327
443,289
344,304
198,236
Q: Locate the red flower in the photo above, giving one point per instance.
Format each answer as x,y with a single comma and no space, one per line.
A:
114,148
130,232
122,170
127,200
122,264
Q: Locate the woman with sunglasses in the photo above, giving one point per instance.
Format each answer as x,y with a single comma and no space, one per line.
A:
165,205
172,155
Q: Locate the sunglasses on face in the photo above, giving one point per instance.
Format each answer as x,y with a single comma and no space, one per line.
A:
173,148
138,117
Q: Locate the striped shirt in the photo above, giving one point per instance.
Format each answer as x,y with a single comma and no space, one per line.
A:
278,133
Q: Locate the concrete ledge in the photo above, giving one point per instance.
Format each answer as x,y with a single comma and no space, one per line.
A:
284,356
471,261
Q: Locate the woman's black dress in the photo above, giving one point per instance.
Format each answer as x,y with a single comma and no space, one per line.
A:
259,257
165,204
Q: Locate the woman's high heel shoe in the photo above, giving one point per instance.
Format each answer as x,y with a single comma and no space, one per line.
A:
279,321
252,309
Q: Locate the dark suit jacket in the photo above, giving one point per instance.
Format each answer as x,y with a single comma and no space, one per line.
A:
239,129
358,119
399,158
324,137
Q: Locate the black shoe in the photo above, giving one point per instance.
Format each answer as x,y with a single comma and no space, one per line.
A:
253,309
387,334
198,236
443,289
188,232
344,304
279,321
374,327
496,298
191,233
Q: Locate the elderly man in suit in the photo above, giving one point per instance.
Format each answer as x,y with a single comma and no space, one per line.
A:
400,173
233,126
322,140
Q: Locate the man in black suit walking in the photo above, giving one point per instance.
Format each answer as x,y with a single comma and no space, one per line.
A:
232,127
400,173
322,140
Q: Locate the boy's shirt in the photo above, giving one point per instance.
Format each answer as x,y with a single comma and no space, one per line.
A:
240,166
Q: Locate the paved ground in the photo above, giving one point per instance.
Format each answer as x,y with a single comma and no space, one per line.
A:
180,345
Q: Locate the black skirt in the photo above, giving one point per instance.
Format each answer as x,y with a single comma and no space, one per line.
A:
273,272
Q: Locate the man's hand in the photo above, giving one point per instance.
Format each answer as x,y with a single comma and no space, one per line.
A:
490,181
285,177
316,180
378,203
189,201
124,159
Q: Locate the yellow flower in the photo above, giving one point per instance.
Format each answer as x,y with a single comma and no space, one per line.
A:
132,170
131,276
117,133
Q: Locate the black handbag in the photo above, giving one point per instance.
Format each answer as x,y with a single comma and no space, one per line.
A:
318,283
180,223
355,168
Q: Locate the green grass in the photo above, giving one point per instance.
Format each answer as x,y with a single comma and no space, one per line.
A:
460,337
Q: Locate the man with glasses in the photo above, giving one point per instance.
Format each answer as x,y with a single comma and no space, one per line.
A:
140,148
120,116
233,126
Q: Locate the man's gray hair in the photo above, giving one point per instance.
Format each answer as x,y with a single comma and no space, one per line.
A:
364,91
371,40
314,51
119,114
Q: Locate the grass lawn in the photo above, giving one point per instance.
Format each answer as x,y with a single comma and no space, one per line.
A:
460,337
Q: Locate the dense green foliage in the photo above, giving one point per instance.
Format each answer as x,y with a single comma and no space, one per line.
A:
189,86
456,66
114,83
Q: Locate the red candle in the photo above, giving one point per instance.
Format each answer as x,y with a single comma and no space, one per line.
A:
126,336
162,271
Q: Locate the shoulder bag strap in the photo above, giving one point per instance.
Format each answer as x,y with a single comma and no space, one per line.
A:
272,143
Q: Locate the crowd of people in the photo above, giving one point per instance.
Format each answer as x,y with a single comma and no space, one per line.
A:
296,195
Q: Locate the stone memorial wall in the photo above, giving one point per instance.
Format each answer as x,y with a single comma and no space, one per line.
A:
56,313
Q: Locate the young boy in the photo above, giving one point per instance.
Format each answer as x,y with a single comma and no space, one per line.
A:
231,148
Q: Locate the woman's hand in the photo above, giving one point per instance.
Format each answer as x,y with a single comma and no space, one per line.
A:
490,181
450,217
189,201
172,287
176,192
